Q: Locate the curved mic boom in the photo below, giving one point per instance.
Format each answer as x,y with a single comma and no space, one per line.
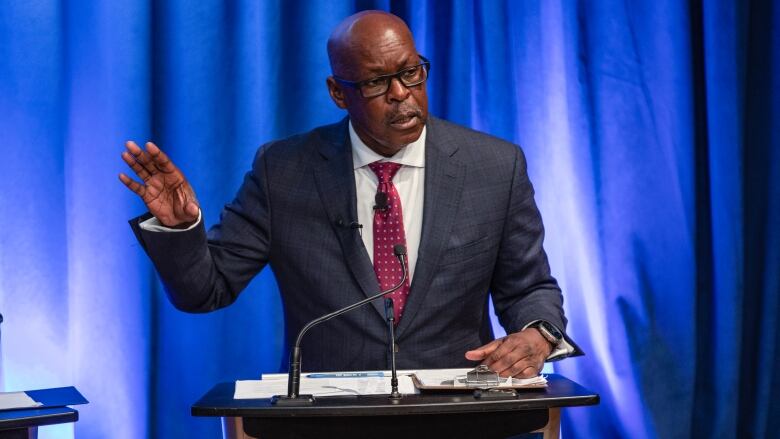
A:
294,377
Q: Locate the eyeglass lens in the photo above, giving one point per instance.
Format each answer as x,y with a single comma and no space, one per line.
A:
409,77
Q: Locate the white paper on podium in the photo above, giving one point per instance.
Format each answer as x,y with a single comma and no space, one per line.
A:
276,384
16,400
456,378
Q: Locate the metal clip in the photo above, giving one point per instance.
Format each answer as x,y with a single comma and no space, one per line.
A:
482,377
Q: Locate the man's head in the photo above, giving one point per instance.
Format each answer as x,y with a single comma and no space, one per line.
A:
362,47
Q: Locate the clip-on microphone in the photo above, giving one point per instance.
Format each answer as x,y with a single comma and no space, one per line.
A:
294,376
380,201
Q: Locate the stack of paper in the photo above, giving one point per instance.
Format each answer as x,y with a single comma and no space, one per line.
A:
370,383
456,379
325,384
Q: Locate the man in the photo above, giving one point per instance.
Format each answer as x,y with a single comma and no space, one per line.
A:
460,201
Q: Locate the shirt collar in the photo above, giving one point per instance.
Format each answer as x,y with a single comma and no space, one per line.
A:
412,154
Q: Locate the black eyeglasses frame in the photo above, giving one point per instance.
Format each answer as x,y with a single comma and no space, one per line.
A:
425,64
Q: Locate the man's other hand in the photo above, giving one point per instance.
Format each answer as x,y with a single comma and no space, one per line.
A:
167,194
520,355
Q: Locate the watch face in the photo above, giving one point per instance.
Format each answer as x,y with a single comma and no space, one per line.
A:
550,333
554,332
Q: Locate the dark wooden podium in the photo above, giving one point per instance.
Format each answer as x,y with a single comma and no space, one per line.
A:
428,415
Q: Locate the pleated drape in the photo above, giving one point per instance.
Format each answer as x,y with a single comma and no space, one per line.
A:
651,130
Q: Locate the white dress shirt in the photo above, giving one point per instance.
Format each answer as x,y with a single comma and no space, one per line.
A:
409,181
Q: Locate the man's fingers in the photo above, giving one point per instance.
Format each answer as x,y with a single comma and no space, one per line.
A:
524,371
481,352
516,365
520,354
161,160
139,170
132,147
141,157
519,351
508,352
133,185
503,359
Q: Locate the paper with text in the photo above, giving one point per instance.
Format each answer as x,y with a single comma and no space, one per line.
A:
266,388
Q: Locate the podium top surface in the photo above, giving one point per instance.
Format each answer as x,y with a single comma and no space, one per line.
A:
53,410
561,392
25,418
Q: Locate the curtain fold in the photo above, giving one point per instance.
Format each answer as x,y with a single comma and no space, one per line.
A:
653,142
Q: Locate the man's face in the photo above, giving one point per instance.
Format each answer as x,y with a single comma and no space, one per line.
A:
391,121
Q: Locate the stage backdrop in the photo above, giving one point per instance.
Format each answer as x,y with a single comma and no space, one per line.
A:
652,135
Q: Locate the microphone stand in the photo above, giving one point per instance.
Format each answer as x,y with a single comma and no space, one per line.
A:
394,394
293,397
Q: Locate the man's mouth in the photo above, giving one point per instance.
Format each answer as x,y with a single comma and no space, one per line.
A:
405,120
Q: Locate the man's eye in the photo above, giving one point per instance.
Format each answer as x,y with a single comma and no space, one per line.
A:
411,73
374,83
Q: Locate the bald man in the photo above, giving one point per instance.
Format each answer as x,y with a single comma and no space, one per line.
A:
325,209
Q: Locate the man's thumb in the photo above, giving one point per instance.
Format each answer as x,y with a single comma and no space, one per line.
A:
192,209
475,355
482,352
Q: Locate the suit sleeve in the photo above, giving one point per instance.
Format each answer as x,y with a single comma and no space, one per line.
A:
522,287
203,271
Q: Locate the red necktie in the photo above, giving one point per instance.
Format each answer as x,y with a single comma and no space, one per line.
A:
388,232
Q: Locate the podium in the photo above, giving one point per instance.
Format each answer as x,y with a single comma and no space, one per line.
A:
24,423
429,415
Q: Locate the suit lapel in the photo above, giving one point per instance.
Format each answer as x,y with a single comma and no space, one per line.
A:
335,178
444,176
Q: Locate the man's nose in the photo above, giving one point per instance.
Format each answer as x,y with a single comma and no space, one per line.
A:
397,91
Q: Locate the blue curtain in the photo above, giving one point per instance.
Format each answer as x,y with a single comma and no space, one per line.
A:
652,131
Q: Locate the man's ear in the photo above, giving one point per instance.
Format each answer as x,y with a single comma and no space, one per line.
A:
336,93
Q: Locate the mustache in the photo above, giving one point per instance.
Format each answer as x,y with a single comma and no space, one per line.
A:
402,111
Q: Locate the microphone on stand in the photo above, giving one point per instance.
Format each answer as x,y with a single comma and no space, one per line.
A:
391,323
293,397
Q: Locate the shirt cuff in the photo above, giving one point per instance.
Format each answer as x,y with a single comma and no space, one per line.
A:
154,225
564,348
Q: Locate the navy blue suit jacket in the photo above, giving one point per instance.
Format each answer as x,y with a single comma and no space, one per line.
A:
481,234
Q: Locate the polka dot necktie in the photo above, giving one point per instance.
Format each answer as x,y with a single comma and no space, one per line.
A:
388,232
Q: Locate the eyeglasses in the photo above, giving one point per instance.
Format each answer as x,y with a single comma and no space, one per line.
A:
377,86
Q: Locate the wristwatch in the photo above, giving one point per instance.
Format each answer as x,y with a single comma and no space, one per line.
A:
549,332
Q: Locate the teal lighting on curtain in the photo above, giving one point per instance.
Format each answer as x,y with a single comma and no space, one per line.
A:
652,135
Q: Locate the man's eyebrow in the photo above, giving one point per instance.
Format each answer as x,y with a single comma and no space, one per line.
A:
377,71
380,71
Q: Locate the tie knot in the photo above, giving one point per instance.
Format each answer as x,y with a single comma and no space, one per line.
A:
385,171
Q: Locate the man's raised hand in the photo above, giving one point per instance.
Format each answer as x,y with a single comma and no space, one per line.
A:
167,194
